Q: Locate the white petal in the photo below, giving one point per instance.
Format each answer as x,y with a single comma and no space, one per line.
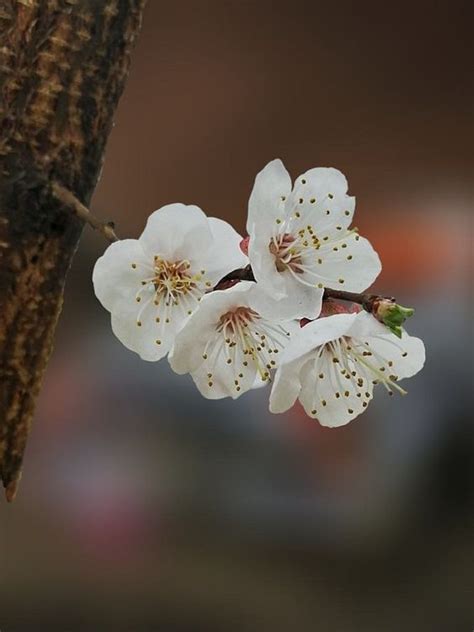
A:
177,232
399,357
199,348
302,302
334,376
287,296
407,356
272,186
348,264
228,364
286,386
299,301
224,254
149,340
366,325
320,198
187,354
115,279
331,397
217,379
317,333
264,268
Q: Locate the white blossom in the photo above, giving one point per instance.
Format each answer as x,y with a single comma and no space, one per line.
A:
332,364
232,343
153,284
300,240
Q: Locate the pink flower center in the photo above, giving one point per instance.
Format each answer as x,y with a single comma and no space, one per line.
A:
286,252
237,318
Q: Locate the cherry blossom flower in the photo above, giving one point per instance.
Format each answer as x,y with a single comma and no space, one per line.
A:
232,343
333,363
153,284
300,240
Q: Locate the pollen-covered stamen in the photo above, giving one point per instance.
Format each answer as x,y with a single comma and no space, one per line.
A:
167,285
172,279
237,318
300,252
289,249
370,363
246,342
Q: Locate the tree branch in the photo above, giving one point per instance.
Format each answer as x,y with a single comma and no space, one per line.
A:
63,65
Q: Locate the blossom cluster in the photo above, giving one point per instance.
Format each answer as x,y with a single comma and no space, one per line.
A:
175,293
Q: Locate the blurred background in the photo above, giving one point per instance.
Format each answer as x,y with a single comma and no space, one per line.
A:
144,507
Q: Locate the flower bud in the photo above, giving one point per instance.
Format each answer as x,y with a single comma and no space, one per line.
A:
391,314
244,245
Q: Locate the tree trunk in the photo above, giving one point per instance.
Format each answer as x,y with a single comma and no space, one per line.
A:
63,65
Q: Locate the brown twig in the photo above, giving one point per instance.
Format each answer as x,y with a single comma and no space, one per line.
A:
70,200
366,300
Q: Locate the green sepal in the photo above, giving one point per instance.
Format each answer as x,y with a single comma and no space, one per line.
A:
394,316
395,329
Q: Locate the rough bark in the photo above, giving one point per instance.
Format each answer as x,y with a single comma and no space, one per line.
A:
63,64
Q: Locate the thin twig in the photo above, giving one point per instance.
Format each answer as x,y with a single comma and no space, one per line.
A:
70,200
366,300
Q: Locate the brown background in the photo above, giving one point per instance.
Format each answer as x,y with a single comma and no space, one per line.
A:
144,507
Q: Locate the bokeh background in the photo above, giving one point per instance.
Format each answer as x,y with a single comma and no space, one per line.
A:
144,507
